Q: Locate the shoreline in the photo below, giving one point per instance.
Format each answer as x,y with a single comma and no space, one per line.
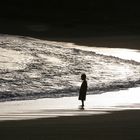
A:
33,77
109,116
112,116
70,106
35,106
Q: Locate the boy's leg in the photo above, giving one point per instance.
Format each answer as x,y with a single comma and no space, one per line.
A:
82,103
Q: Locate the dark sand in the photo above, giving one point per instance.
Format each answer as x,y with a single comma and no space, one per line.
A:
122,125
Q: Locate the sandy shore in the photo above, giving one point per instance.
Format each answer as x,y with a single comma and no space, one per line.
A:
70,106
112,115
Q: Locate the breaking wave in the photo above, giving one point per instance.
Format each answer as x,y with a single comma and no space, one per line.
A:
31,69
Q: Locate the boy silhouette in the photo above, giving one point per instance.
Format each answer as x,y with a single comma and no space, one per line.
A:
83,89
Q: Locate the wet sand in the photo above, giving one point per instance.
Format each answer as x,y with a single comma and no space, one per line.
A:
111,116
121,125
70,106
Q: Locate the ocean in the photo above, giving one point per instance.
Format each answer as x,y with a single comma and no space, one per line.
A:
32,68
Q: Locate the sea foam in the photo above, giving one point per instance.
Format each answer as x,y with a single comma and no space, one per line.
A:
32,68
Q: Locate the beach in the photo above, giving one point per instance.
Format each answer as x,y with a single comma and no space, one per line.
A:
45,47
116,125
70,106
112,115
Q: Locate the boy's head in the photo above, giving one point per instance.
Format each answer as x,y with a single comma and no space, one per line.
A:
83,76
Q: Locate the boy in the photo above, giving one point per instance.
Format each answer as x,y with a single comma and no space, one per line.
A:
83,89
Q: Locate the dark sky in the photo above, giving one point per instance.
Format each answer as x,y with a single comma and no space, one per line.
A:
58,11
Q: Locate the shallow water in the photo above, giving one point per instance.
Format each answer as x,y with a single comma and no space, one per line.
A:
70,106
128,54
35,69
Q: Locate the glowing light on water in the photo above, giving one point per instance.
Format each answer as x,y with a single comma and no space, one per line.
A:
129,54
13,60
123,99
48,69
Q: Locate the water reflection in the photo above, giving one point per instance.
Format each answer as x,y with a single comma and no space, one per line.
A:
81,107
129,54
68,106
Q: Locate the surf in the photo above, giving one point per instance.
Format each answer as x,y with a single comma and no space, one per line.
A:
31,68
